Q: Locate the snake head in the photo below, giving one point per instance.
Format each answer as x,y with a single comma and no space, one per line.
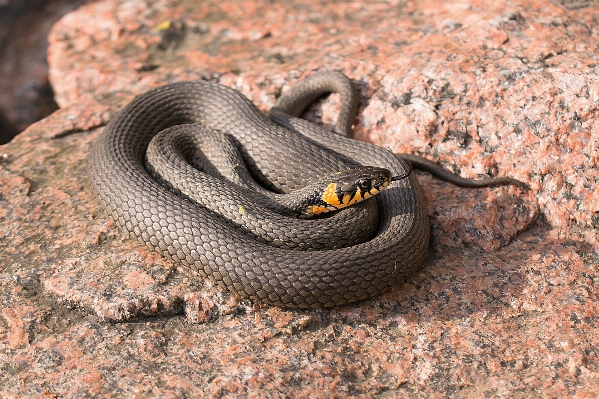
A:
343,189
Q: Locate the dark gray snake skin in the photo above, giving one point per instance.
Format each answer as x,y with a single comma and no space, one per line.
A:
283,155
204,165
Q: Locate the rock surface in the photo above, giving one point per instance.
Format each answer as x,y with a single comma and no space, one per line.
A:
485,88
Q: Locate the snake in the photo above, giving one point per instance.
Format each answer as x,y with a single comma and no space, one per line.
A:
214,219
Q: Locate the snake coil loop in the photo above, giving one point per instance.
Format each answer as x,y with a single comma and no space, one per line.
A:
282,153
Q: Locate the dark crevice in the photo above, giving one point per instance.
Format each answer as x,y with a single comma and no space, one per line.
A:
26,95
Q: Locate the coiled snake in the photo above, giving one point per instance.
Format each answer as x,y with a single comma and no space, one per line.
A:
324,267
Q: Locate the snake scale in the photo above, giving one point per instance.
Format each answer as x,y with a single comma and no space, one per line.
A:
283,153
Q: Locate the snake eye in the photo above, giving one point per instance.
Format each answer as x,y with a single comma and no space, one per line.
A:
364,184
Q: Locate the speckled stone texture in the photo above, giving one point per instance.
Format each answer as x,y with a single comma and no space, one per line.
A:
484,88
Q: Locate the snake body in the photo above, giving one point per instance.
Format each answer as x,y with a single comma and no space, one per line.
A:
283,153
220,183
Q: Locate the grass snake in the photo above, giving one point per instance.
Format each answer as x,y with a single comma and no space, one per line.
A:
224,232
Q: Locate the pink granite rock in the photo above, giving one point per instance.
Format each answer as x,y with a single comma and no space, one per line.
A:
485,88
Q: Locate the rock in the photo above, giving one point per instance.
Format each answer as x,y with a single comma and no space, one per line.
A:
502,89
